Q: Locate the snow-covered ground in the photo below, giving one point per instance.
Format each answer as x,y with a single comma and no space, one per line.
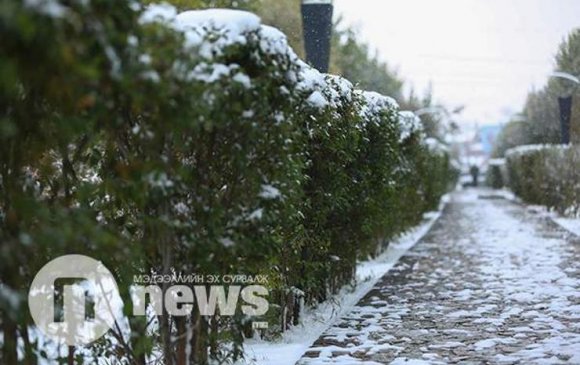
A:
315,321
570,224
492,283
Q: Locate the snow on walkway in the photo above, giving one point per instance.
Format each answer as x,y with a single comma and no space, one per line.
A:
491,283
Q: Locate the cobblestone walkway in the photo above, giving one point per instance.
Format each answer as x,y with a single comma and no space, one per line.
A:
491,283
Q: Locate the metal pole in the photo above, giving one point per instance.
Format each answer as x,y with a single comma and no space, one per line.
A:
317,27
565,116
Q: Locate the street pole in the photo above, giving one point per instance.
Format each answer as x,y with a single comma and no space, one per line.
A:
565,103
565,116
317,27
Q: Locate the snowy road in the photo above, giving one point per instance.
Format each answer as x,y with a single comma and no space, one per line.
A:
492,283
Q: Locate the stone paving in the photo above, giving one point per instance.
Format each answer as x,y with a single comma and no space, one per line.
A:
491,283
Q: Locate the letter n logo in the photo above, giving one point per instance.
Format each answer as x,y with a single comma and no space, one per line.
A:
74,300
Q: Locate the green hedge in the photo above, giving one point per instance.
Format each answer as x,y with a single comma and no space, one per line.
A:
546,175
495,175
197,143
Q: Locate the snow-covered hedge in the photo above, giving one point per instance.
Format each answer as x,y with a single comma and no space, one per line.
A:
496,173
197,143
546,175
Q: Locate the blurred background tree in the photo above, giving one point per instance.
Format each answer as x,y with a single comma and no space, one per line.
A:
284,15
541,113
568,60
355,61
513,134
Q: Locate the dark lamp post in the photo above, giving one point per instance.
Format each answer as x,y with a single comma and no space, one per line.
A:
317,27
565,103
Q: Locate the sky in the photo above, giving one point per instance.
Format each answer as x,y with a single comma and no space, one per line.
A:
483,54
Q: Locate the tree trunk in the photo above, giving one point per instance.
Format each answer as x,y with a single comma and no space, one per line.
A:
201,342
181,325
71,356
29,357
165,329
213,339
138,330
9,352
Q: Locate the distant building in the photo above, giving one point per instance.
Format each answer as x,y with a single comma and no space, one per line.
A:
487,136
476,149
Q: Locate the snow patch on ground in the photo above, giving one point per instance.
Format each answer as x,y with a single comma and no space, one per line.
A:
407,361
569,224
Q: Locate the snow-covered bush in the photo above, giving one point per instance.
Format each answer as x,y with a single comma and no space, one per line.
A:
546,175
437,172
192,143
495,175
